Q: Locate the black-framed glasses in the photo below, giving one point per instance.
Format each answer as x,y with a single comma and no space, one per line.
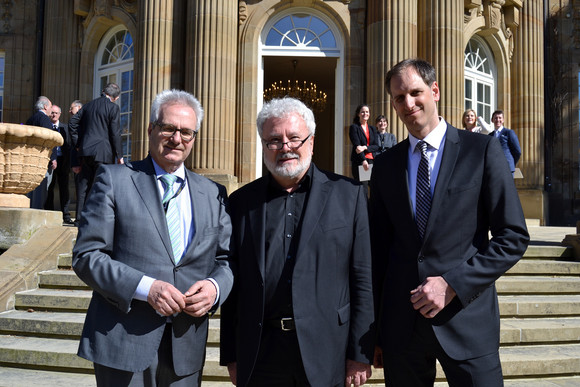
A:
292,144
168,130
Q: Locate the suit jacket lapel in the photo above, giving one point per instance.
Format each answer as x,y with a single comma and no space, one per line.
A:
198,200
317,200
256,222
448,161
401,179
146,185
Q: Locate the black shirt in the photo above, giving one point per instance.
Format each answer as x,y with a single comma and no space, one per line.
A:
283,222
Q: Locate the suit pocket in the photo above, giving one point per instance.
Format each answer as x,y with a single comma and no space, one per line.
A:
344,314
211,230
461,188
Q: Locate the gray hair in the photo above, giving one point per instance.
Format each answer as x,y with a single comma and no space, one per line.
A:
176,97
283,107
77,102
41,103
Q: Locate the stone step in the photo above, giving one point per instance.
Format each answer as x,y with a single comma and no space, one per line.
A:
539,306
53,300
42,353
44,324
64,279
517,363
17,377
549,252
542,267
65,261
538,285
539,330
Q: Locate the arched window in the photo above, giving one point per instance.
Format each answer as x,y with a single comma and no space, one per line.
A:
114,63
479,79
303,31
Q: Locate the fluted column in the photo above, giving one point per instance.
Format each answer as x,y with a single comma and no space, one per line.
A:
391,37
61,55
211,46
527,85
152,66
441,43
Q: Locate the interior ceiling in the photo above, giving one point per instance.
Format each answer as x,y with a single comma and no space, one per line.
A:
319,70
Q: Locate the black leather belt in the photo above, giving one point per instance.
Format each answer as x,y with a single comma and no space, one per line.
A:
285,324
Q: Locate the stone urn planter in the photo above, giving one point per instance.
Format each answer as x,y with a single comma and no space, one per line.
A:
24,157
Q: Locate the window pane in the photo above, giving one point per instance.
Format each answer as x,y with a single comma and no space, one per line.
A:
328,40
273,38
468,90
300,20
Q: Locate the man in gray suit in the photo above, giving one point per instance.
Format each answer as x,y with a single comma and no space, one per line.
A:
148,319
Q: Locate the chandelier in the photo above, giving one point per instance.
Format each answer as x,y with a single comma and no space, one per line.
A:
306,92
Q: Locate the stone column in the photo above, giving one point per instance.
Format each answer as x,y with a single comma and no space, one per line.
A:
61,55
211,47
391,37
152,66
527,102
441,43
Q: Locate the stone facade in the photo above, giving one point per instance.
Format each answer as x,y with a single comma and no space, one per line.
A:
215,49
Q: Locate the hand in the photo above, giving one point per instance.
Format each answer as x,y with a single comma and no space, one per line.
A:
357,373
232,370
165,298
53,164
76,170
360,148
365,165
200,297
432,296
120,161
378,358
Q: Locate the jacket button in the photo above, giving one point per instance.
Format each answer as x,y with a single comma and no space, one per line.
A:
421,258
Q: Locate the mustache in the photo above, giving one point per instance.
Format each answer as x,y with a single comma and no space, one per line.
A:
287,156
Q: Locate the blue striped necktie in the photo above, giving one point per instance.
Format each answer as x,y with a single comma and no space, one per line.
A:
172,215
423,192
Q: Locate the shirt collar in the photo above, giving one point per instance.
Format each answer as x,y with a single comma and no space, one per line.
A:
274,188
180,172
434,138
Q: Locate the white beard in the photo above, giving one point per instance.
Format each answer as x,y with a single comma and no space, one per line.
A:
287,170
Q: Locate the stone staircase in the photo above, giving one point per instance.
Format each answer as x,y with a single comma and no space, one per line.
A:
540,328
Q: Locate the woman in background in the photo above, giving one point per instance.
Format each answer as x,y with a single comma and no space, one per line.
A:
384,139
364,141
470,121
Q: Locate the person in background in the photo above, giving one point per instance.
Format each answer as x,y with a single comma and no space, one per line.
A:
470,121
508,140
434,199
41,118
301,311
385,139
154,246
96,133
363,137
75,162
62,170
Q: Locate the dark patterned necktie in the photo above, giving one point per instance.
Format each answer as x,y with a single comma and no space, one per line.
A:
423,198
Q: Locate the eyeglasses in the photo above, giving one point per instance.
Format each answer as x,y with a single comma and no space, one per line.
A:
292,144
168,130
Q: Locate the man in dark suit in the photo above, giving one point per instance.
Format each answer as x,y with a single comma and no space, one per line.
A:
153,244
434,198
62,170
41,118
301,311
96,131
508,140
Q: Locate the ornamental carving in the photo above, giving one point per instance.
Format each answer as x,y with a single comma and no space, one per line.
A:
242,12
102,9
6,16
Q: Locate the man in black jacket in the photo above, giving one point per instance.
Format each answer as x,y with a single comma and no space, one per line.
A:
96,131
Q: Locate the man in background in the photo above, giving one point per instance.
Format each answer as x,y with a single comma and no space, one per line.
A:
62,170
96,131
41,117
508,140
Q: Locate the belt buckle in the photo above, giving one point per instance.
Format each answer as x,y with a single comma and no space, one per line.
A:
283,323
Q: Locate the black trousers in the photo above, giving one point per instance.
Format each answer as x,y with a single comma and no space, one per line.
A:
60,176
86,177
414,366
279,362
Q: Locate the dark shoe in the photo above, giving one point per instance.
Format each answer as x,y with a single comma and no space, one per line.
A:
68,221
